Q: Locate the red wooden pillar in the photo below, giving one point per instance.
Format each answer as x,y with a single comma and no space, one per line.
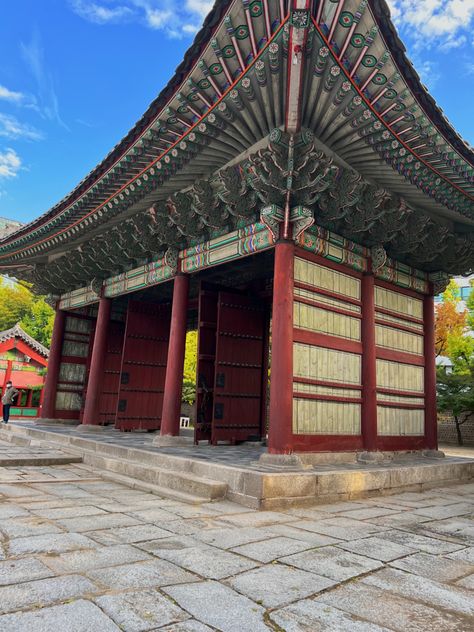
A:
431,416
8,375
175,363
281,384
54,363
369,364
94,385
29,397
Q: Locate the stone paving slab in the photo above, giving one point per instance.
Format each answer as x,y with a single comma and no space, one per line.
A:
271,549
152,573
30,525
465,555
80,616
129,535
434,567
82,561
432,593
421,542
381,607
341,528
377,548
188,626
333,563
237,613
277,585
309,615
98,522
43,592
53,544
208,561
23,570
141,610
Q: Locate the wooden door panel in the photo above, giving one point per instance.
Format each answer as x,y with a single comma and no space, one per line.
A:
239,366
207,323
143,367
111,377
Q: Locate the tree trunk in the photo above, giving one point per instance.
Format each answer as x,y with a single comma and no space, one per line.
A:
458,430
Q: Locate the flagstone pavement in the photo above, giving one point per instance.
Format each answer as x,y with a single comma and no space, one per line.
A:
80,554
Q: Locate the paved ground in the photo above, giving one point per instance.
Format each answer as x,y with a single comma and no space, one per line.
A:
82,555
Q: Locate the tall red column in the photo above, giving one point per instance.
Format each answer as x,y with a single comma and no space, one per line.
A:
369,364
281,383
94,384
54,361
175,363
431,416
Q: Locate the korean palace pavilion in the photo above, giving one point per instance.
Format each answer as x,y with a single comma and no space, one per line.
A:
296,196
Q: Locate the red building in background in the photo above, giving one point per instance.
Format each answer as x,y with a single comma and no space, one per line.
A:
23,360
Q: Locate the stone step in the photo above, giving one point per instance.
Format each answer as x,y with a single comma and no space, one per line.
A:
154,489
202,489
167,477
38,460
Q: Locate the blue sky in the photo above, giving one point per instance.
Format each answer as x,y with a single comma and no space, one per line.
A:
75,75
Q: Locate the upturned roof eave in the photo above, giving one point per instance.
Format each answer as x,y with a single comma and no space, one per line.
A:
381,13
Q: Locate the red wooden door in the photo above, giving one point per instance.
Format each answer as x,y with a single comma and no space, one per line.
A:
111,377
207,319
143,368
239,365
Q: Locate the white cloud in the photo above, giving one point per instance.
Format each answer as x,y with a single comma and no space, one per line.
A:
47,102
429,73
11,128
433,22
100,14
10,163
201,7
10,95
174,18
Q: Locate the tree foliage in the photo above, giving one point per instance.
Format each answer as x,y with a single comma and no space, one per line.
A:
15,303
20,305
455,335
190,364
38,321
450,322
456,396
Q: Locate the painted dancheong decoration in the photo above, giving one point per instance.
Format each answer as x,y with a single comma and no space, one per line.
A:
297,195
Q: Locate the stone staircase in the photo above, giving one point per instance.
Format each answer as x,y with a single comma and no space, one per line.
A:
139,469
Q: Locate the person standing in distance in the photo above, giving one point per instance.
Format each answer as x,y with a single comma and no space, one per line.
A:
8,399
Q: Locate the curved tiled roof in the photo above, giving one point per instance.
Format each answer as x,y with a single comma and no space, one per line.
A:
381,12
71,211
18,332
200,41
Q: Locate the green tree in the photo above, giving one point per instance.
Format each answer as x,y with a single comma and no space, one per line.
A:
39,320
450,322
20,305
15,303
456,397
190,367
470,307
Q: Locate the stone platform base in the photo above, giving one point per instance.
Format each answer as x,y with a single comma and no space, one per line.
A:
56,422
205,474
